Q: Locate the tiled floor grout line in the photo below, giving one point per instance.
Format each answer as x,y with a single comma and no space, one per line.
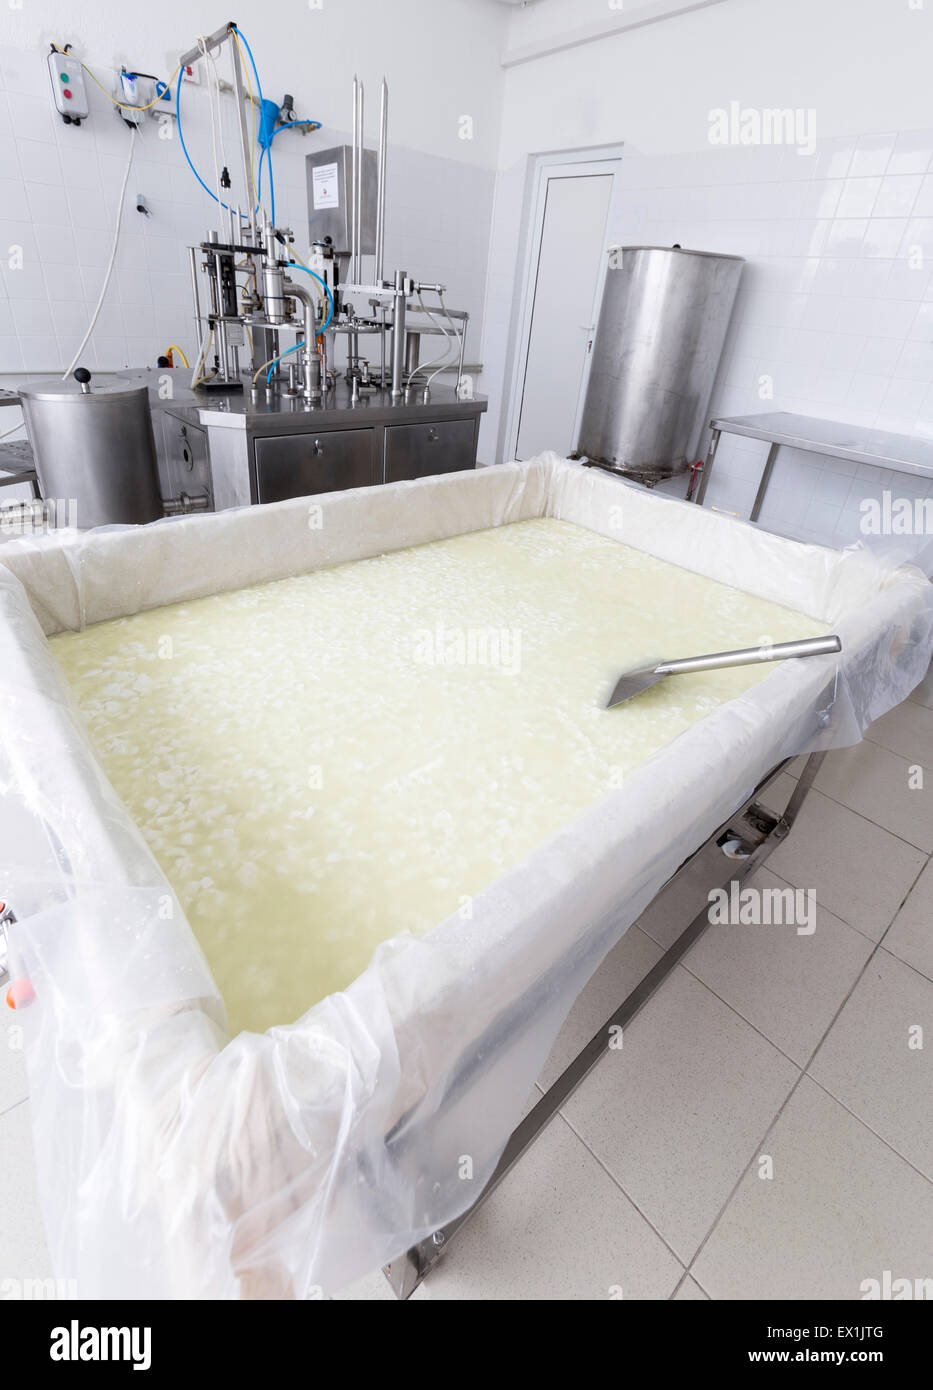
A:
921,849
754,1027
610,1174
906,963
865,1125
766,865
804,1073
627,1195
802,1069
844,920
877,824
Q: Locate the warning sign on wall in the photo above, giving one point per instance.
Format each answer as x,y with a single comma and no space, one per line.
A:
324,186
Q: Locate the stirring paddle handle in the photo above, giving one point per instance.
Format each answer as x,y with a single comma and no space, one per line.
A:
780,651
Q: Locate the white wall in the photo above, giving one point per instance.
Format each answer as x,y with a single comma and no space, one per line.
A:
59,184
440,56
549,25
830,308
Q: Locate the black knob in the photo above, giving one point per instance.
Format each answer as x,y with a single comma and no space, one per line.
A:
82,375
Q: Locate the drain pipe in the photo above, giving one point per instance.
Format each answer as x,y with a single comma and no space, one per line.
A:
312,392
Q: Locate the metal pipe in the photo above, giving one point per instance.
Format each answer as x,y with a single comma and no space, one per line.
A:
353,343
398,334
311,392
220,325
193,260
188,59
382,347
353,231
463,329
381,179
244,139
358,206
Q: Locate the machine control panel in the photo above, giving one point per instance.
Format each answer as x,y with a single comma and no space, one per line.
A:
68,88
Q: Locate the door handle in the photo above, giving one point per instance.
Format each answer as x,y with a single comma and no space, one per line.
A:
317,448
433,435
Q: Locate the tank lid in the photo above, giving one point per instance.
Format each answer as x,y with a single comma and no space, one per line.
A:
111,388
683,251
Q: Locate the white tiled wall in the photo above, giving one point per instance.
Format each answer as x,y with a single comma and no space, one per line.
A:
835,305
58,195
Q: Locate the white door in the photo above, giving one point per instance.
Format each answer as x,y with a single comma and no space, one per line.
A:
568,275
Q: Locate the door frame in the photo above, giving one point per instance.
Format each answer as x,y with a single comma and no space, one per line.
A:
601,159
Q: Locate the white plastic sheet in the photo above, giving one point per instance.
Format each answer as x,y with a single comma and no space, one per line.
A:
176,1162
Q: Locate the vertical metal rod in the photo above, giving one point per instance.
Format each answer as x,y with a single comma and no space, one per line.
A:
765,480
353,172
707,469
463,330
354,343
220,324
358,207
398,333
244,138
382,348
381,179
193,260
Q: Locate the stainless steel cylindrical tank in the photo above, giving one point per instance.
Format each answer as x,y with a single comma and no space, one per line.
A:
95,447
661,329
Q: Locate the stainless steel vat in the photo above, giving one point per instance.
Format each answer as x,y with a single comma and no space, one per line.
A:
661,329
96,447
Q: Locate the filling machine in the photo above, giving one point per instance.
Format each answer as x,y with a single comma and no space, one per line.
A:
267,413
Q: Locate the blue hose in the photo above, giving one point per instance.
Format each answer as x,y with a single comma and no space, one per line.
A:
262,156
184,149
252,62
275,362
330,315
325,287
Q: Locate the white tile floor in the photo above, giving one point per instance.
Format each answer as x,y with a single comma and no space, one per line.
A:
763,1052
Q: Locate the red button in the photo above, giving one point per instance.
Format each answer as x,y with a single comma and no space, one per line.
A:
66,92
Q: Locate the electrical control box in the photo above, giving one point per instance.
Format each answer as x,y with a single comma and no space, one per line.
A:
140,95
68,88
329,188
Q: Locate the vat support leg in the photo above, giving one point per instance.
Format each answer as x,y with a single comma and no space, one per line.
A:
762,831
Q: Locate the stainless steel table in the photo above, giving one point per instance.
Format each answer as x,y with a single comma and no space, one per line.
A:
16,461
902,453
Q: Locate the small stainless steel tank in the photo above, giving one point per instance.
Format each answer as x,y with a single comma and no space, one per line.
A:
661,330
95,446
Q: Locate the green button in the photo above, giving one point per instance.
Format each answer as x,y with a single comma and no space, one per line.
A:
63,76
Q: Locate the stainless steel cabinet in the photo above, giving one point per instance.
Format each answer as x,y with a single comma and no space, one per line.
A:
183,458
299,465
417,451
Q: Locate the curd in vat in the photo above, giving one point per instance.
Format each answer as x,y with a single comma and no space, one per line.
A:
323,762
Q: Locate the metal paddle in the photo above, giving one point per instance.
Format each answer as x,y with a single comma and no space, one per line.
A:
644,677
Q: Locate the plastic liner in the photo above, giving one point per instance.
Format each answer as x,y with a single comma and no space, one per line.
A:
174,1162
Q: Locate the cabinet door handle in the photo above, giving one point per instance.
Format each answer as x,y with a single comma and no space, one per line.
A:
433,435
317,448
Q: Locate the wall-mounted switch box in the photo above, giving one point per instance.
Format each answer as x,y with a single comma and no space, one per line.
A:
68,89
